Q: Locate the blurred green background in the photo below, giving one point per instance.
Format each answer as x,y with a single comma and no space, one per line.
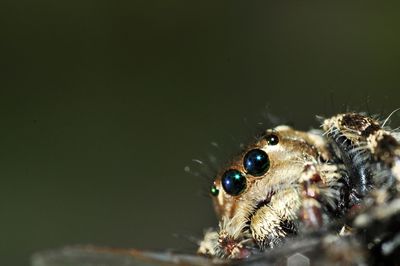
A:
103,104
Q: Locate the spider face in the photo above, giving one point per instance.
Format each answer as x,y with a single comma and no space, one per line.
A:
264,181
290,183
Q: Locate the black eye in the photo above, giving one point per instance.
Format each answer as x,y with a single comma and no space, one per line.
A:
214,190
233,182
272,139
256,162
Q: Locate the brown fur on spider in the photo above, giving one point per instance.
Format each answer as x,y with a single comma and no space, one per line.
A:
343,180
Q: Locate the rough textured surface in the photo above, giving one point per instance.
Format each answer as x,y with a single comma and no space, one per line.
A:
89,256
297,252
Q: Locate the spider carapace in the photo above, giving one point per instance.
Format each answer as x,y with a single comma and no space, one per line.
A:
343,180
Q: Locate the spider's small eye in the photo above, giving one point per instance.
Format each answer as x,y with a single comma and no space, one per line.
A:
214,190
256,162
272,139
233,182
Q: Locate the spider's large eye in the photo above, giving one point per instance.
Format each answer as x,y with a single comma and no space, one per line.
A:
256,162
233,182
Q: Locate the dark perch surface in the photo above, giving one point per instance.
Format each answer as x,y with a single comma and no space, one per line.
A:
297,252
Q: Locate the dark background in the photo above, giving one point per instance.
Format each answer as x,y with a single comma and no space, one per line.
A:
103,103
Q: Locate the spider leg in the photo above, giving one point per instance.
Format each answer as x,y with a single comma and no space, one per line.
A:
310,212
371,154
321,189
208,246
385,150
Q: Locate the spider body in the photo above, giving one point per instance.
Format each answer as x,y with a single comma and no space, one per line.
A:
290,183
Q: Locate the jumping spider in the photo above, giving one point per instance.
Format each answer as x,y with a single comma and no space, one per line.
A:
343,180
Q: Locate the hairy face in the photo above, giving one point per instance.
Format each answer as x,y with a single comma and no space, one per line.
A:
257,196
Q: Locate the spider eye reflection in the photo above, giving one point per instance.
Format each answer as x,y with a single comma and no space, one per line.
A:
256,162
233,182
214,190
